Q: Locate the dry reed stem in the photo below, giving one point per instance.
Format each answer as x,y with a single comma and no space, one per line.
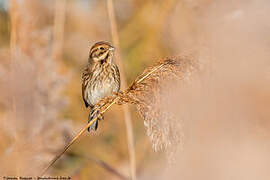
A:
104,104
127,114
76,137
66,147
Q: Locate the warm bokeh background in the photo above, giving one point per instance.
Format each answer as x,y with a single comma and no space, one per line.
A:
44,46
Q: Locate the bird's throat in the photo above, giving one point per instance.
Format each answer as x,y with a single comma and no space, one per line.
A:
106,59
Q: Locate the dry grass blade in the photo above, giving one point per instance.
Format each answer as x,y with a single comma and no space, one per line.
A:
66,148
107,167
58,32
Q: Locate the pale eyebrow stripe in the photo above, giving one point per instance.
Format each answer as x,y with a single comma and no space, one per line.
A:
93,50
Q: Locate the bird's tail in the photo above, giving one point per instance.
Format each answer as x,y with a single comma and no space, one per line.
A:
92,115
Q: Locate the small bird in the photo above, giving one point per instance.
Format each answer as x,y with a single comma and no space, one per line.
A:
100,77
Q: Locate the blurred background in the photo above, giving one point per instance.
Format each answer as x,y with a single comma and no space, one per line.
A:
44,45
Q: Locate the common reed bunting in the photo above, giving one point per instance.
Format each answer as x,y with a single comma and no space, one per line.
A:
100,77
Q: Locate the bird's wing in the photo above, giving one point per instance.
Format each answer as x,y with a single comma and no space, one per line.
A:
117,78
86,75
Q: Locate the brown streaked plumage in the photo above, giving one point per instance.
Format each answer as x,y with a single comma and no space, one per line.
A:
100,77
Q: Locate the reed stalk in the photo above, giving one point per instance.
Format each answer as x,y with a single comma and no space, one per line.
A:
127,114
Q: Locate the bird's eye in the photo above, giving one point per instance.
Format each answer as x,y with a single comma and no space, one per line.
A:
101,48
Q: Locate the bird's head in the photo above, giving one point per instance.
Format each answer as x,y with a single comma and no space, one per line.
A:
101,52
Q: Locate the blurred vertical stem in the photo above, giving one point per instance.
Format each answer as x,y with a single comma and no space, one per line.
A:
13,13
58,31
128,121
106,166
13,27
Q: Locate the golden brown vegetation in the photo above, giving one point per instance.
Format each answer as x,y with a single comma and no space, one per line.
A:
212,124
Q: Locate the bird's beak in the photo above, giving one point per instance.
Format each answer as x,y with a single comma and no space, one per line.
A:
111,48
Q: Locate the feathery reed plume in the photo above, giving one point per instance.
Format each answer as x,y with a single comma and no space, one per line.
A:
147,92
